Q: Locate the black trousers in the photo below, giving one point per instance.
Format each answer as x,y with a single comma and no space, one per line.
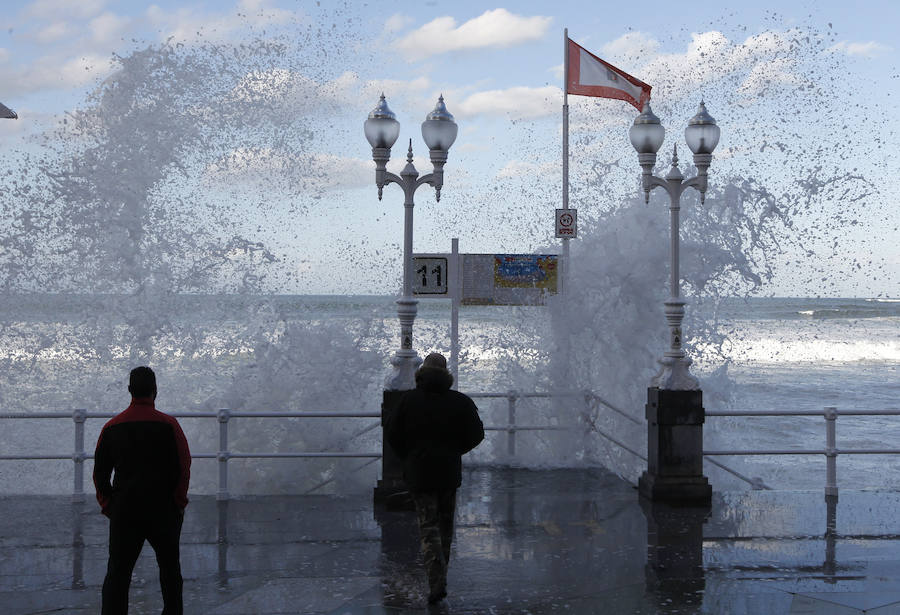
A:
127,533
436,511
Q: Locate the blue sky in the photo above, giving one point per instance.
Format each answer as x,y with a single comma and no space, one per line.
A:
810,81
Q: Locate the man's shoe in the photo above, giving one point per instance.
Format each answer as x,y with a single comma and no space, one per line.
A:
436,596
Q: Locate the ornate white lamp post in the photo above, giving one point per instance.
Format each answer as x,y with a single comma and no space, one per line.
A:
702,136
439,132
675,412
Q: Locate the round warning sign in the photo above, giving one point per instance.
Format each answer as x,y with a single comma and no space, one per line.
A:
567,223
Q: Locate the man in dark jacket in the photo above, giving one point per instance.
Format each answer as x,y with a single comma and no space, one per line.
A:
146,499
431,429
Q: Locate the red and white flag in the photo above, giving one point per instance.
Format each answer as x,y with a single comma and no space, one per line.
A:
588,75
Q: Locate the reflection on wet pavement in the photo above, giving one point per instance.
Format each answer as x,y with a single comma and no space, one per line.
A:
551,541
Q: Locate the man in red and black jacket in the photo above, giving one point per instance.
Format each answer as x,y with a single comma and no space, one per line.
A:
146,500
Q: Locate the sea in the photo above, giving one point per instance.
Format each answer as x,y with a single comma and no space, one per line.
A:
253,353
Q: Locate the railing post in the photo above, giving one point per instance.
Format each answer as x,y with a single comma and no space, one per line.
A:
830,452
223,454
79,417
511,423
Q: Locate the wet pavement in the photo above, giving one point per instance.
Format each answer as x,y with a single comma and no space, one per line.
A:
552,541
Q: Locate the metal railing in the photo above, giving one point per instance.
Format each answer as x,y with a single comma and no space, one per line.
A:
830,451
591,401
80,416
225,416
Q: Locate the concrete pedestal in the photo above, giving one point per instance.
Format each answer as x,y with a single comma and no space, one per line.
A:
675,449
391,491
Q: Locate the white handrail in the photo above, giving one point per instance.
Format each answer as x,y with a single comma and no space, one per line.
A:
224,416
831,450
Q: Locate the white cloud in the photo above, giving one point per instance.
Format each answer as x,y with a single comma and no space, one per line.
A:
397,22
108,26
52,33
769,58
631,45
496,28
75,44
711,55
757,67
189,24
558,71
516,102
370,91
83,70
710,51
765,75
53,72
768,43
733,76
870,49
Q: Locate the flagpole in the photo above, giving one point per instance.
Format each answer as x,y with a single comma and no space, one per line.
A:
561,375
565,165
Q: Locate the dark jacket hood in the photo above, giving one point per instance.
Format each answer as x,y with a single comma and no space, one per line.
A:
433,379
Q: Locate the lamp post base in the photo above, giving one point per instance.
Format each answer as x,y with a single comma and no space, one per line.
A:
403,375
391,491
675,375
675,449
